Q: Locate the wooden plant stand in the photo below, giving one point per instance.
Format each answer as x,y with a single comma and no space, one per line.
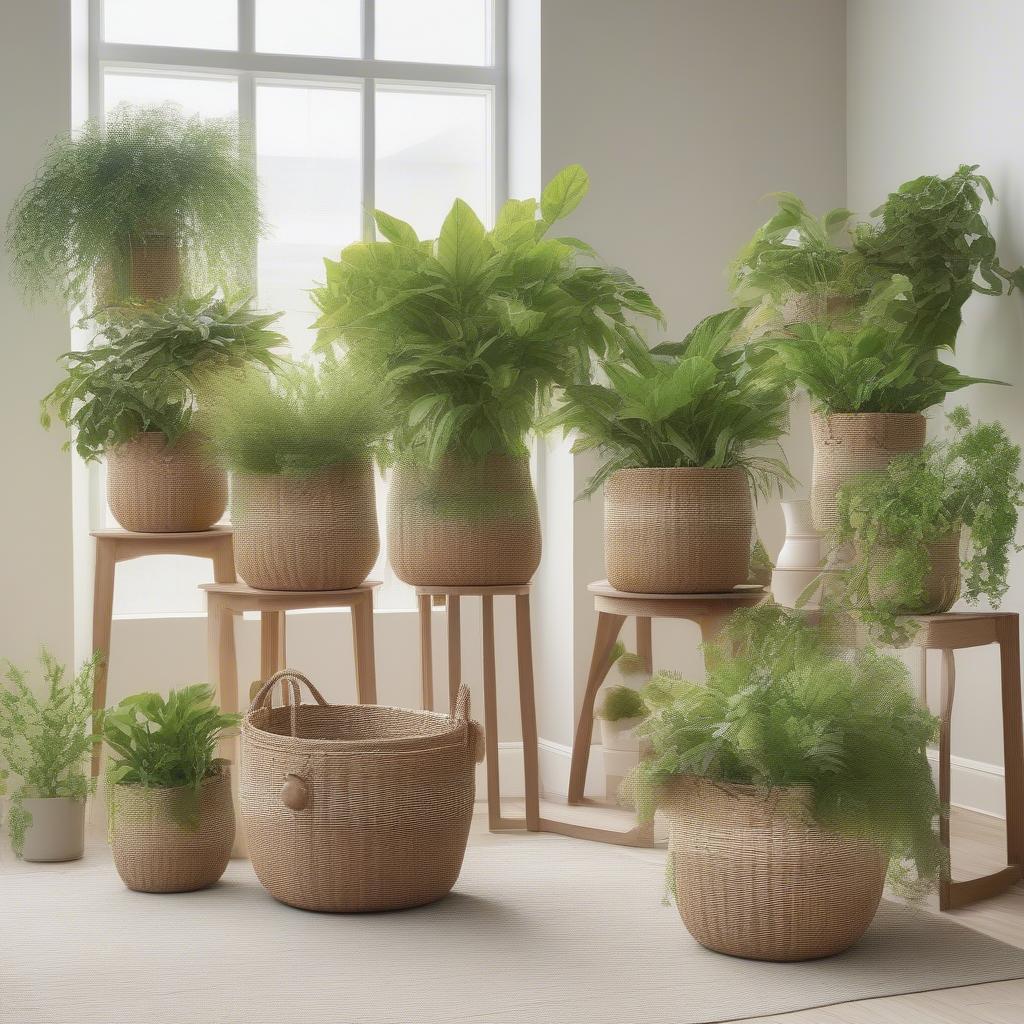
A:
113,546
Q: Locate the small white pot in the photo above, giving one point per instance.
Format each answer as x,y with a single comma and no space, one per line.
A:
619,735
57,831
802,546
621,753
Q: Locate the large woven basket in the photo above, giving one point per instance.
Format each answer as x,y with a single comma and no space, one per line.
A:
356,808
154,847
754,877
152,272
941,585
677,531
315,531
154,487
847,444
464,524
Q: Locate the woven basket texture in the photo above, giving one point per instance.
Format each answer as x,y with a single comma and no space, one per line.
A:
677,531
941,585
153,273
154,853
806,307
755,878
310,531
356,808
153,487
464,524
846,444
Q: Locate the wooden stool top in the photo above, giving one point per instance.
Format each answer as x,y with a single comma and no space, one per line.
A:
751,593
243,593
956,630
511,588
694,607
170,538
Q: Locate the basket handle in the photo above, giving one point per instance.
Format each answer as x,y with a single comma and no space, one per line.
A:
461,712
474,733
292,679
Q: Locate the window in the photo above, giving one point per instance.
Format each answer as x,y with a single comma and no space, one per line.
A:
351,105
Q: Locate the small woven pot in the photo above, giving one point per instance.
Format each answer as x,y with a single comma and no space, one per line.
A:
154,487
941,585
152,272
154,852
849,443
805,307
677,531
309,531
464,524
755,878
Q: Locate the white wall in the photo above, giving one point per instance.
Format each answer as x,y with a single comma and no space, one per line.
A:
933,84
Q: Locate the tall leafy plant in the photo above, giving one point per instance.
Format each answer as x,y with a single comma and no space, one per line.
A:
473,331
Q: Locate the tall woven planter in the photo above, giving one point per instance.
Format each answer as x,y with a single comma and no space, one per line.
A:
356,808
464,524
155,852
677,531
849,443
310,531
755,878
941,585
154,487
152,272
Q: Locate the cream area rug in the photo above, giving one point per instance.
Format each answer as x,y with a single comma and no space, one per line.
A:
539,930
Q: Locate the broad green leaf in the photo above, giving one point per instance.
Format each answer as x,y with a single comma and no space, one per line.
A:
564,193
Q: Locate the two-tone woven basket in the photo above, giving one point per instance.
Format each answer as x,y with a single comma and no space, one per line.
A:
941,586
351,808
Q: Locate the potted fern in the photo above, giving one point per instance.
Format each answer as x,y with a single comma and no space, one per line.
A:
928,521
473,331
131,397
792,780
170,814
138,206
47,742
680,430
300,450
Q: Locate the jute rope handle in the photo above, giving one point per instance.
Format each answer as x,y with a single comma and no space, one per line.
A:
292,679
474,733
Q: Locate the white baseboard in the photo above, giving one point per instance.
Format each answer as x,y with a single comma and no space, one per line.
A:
975,785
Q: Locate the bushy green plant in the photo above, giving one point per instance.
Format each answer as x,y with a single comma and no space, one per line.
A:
46,741
144,171
621,702
696,403
301,420
969,479
780,708
140,371
473,331
167,743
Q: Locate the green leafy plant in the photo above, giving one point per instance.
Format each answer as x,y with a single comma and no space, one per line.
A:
46,740
144,171
969,479
167,743
696,403
621,702
302,420
140,371
780,709
474,330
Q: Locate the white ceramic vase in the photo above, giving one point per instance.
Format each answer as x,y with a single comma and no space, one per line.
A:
621,751
57,831
800,560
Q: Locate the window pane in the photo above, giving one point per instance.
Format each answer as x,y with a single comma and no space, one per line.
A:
439,32
431,148
209,24
208,97
309,150
316,28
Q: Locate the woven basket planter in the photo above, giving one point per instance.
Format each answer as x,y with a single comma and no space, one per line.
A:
464,524
152,273
153,487
356,808
310,531
677,531
941,585
849,443
805,307
755,878
154,852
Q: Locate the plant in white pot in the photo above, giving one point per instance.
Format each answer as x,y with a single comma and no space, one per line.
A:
622,709
130,397
46,742
682,430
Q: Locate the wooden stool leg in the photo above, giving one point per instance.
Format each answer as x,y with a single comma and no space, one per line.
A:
491,715
948,690
644,648
454,650
272,648
426,653
528,711
362,641
102,617
1008,632
221,665
608,627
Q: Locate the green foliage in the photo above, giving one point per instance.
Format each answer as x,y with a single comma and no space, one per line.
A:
779,709
628,663
696,403
162,744
969,479
300,421
867,370
140,371
146,171
621,702
46,741
473,331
